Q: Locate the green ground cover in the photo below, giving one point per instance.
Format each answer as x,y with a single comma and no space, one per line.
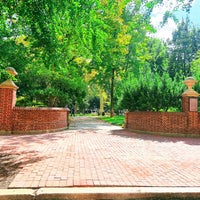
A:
116,120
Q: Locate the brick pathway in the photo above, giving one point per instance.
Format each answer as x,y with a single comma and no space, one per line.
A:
93,153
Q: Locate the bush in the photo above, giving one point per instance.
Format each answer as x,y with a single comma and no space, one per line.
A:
152,93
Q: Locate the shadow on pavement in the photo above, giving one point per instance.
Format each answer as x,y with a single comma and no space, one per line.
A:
158,138
11,163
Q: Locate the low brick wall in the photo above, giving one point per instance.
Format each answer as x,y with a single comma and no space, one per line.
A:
30,120
164,122
25,119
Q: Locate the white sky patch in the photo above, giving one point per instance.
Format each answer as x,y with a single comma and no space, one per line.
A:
164,32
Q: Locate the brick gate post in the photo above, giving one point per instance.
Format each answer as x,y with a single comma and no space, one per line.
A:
190,97
190,105
7,102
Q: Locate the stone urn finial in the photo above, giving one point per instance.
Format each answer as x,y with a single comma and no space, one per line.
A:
9,83
12,71
190,82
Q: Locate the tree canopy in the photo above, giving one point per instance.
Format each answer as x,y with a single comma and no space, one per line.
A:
55,45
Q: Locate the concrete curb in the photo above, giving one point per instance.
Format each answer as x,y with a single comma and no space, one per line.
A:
17,194
103,193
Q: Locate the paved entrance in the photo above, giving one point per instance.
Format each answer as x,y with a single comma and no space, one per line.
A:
94,153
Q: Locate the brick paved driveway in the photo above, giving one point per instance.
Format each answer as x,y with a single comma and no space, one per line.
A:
93,153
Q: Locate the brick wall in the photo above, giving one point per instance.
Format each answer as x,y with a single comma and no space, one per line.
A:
27,120
164,122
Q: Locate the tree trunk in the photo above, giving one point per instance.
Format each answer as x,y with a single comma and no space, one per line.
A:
101,110
112,93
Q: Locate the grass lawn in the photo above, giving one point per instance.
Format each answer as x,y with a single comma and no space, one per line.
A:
116,120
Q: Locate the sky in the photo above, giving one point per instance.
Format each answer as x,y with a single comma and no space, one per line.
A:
166,32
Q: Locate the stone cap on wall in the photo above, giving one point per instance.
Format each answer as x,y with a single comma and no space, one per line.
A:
42,108
8,84
190,93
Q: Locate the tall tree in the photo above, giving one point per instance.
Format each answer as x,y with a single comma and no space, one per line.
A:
157,59
109,62
183,48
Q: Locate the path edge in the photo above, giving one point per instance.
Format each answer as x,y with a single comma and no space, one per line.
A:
93,193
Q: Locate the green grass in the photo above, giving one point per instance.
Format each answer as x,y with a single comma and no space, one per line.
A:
116,120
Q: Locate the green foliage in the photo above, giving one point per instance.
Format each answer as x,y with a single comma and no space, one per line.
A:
24,101
4,75
41,40
157,59
152,93
151,87
50,87
53,44
195,68
195,64
94,103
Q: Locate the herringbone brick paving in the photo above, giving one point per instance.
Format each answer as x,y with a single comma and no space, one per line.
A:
94,153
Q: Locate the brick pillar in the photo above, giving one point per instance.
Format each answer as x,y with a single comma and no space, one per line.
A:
7,102
190,106
185,103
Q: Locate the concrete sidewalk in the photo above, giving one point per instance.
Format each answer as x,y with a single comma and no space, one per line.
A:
95,154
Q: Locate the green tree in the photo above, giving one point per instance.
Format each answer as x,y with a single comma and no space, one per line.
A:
158,58
143,94
195,68
13,47
183,48
43,44
110,60
46,39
